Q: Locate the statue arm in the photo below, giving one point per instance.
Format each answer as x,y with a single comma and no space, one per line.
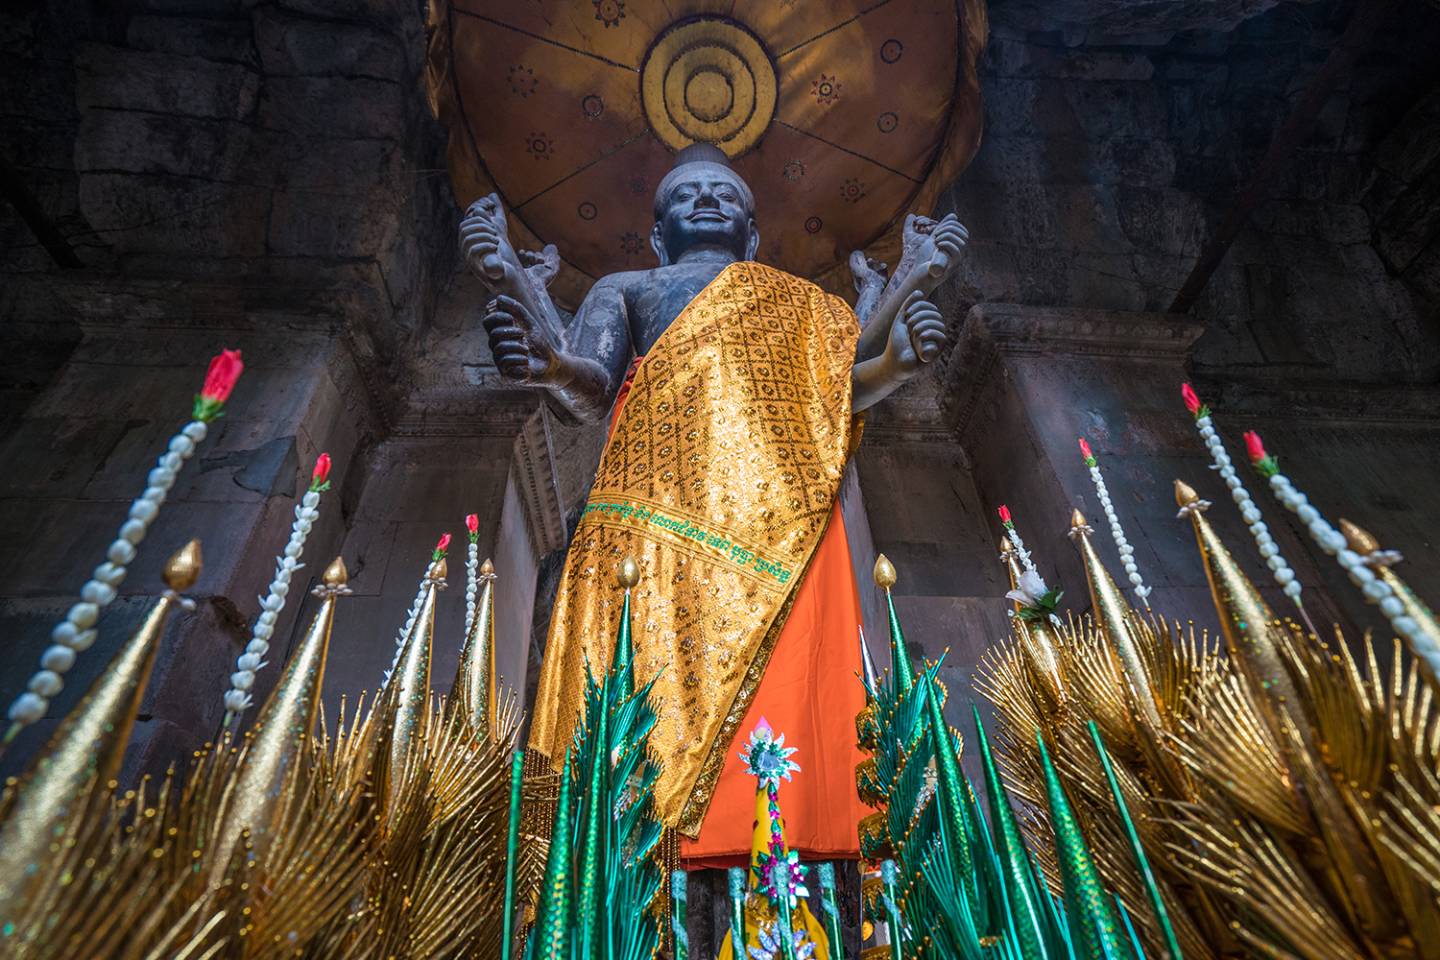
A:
932,252
915,338
592,362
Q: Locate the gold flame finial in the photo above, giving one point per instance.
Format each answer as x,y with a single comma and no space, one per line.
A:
884,572
629,574
1359,539
1184,494
1077,519
336,575
183,567
439,569
487,569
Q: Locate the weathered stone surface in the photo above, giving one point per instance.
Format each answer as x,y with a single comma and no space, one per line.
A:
299,46
117,78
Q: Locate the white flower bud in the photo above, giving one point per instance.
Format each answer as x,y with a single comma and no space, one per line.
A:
280,588
1284,575
160,477
249,661
257,647
236,701
196,430
157,494
109,573
242,680
64,632
132,531
1307,514
46,683
122,552
1274,563
1250,514
1333,542
58,658
293,548
28,708
182,445
1233,482
310,500
288,564
303,526
269,617
273,603
263,631
171,461
1292,589
1376,590
97,593
1392,607
83,615
1348,558
84,640
1405,626
1268,550
1364,576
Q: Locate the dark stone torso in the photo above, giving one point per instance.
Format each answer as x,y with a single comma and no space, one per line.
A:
654,298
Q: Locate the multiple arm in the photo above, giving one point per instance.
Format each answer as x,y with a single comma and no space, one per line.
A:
583,366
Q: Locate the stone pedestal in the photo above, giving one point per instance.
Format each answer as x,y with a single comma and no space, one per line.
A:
1028,381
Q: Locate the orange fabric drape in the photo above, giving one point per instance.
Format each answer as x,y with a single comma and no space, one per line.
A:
811,693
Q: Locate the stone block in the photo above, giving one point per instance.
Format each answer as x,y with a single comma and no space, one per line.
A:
303,222
176,216
343,107
117,78
299,46
224,40
112,141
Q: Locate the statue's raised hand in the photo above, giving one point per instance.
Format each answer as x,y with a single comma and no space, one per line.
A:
524,349
916,338
485,244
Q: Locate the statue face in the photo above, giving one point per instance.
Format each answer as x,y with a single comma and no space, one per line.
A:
708,208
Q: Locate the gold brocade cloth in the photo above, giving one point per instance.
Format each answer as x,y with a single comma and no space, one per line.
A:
718,478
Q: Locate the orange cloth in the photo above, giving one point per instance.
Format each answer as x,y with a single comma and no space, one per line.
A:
810,692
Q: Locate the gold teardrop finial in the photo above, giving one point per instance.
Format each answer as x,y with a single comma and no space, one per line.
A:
1359,539
629,574
1077,519
183,567
439,569
1184,493
336,575
487,569
884,572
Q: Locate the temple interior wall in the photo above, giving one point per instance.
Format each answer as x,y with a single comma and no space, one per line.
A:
268,177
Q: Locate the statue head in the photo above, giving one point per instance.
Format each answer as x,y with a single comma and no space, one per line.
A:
703,203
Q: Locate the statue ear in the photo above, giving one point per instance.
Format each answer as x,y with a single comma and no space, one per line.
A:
657,243
752,241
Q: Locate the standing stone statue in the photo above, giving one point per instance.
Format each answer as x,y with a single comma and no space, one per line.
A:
732,390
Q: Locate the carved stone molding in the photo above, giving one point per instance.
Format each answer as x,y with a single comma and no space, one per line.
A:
533,462
992,332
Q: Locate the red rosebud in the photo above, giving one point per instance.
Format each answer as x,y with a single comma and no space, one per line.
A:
1004,513
472,522
1085,450
225,369
1254,447
1191,398
443,544
320,476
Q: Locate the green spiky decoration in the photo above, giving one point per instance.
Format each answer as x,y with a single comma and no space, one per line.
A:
966,889
603,877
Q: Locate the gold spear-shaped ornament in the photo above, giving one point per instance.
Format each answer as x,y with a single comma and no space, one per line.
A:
1382,561
475,677
72,777
405,703
1113,614
1037,640
1255,640
278,749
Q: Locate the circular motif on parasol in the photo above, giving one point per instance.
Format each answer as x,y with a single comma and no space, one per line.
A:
841,116
708,79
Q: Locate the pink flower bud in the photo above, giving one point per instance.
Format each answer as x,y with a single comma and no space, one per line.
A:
1004,514
1254,447
1085,450
1191,398
225,369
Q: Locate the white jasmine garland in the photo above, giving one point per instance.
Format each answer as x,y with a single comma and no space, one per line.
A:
472,583
237,699
1270,551
1333,542
76,633
1117,533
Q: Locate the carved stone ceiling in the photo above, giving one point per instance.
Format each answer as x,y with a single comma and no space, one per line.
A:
841,116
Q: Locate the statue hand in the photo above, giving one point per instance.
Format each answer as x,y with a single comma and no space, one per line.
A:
948,236
485,243
522,347
916,338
